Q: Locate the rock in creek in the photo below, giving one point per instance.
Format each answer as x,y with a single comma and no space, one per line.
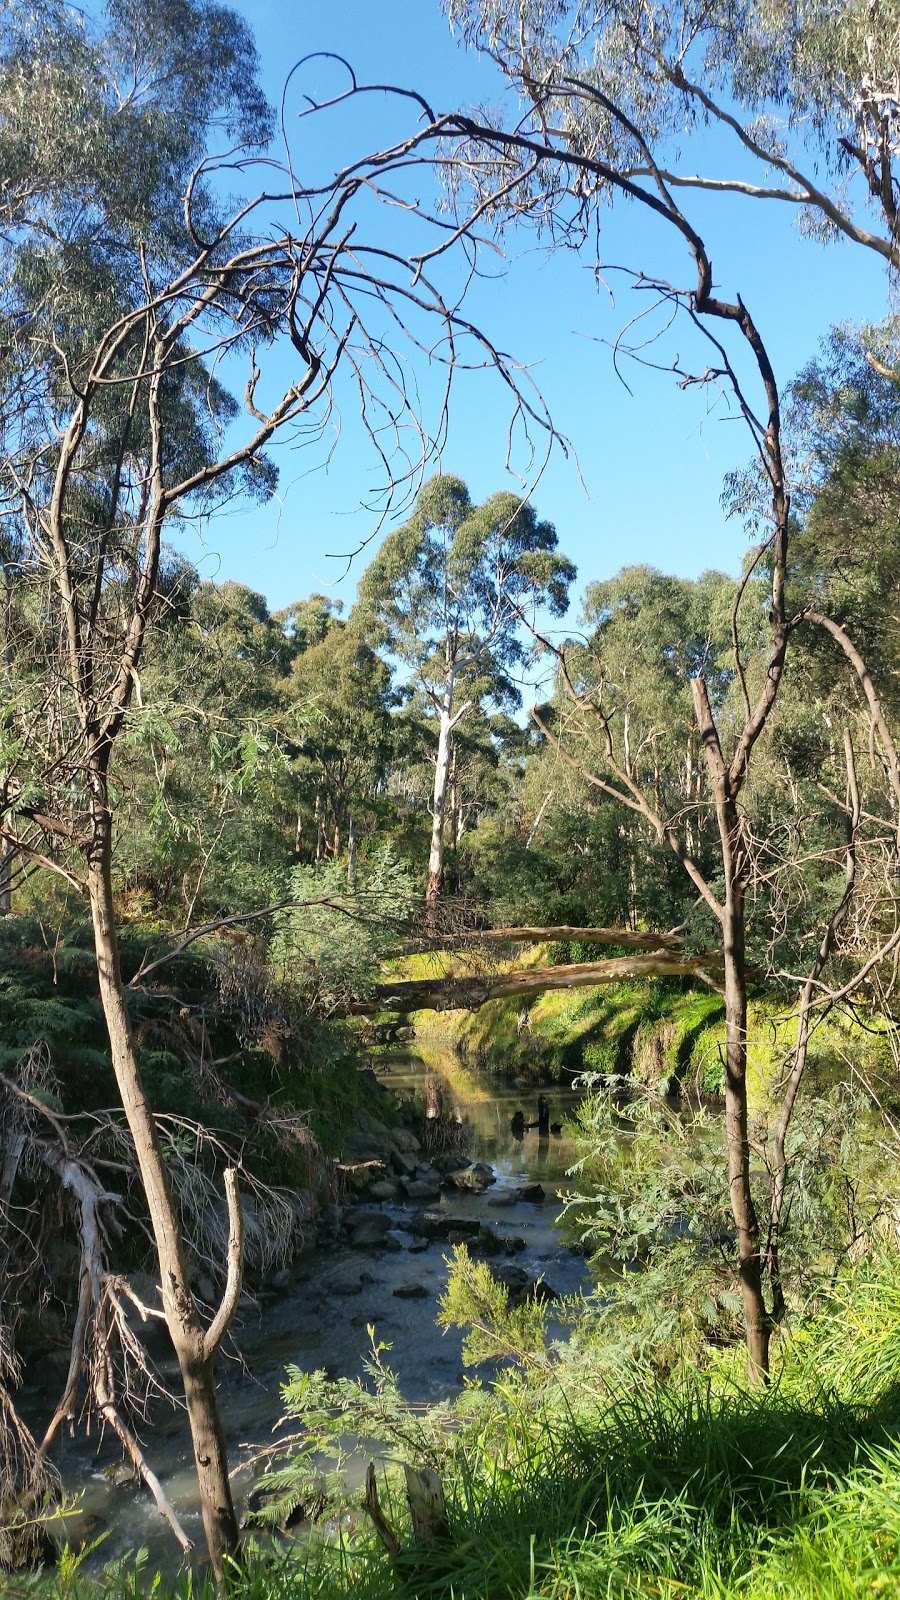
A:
520,1286
490,1243
422,1188
368,1230
478,1177
440,1224
345,1278
533,1193
360,1175
384,1189
449,1160
411,1291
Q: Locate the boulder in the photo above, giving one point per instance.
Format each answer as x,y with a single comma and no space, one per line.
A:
514,1279
405,1141
345,1278
533,1193
368,1232
360,1175
440,1224
384,1189
422,1188
449,1160
490,1243
478,1177
411,1291
520,1286
404,1163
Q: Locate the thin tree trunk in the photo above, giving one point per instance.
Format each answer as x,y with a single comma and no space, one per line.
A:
351,852
434,882
757,1321
195,1347
6,850
756,1318
6,868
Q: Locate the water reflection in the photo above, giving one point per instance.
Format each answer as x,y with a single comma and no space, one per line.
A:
524,1136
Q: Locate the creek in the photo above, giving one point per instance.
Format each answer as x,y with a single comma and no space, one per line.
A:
320,1314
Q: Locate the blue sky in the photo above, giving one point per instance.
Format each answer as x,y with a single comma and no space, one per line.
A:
650,463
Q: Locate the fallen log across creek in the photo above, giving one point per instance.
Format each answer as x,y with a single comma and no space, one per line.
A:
625,938
470,991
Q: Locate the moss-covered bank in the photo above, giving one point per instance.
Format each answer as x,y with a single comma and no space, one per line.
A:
672,1029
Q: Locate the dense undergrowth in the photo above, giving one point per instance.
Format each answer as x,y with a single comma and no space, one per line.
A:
608,1481
203,1025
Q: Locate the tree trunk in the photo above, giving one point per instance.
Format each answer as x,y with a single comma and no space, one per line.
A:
470,992
561,933
6,866
757,1320
194,1346
435,878
737,1141
351,853
6,850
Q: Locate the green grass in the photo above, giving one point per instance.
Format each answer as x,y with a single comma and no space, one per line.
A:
674,1495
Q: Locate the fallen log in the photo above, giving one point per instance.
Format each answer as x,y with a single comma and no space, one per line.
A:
469,992
626,938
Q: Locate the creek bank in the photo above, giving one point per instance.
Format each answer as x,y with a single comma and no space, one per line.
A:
369,1262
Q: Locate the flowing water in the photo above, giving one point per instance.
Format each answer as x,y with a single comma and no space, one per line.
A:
321,1318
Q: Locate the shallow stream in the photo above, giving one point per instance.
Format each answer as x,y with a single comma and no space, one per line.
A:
320,1319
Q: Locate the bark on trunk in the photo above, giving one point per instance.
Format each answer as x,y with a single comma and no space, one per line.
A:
757,1321
557,934
468,993
351,853
737,1140
194,1347
6,866
434,882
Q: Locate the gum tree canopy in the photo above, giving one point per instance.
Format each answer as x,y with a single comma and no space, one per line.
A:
447,594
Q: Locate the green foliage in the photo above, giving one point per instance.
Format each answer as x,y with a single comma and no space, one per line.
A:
327,946
584,1482
495,1330
650,1197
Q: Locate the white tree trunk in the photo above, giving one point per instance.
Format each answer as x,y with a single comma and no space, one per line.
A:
439,801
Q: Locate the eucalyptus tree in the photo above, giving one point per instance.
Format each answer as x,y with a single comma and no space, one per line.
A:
205,822
448,594
133,289
336,713
804,100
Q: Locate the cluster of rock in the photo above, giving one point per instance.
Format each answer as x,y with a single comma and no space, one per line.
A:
398,1176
